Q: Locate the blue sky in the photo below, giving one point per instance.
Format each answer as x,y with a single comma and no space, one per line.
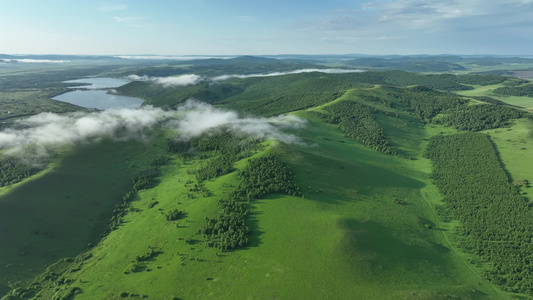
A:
235,27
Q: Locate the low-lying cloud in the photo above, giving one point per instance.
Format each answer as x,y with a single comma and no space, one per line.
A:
327,71
171,81
193,79
48,131
199,117
171,57
33,61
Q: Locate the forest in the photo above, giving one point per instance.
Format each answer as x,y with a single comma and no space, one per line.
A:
525,90
358,122
265,96
482,117
14,169
496,221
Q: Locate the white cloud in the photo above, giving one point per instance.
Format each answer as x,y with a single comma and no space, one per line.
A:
192,79
327,71
172,57
246,19
33,61
113,7
172,81
411,18
130,21
47,131
200,117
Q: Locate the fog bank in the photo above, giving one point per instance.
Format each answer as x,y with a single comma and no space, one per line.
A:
48,131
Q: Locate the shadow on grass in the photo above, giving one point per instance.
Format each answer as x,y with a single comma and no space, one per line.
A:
376,251
252,222
335,175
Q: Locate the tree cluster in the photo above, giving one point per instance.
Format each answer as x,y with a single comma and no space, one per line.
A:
358,121
228,230
521,90
426,103
443,82
228,147
478,79
146,179
174,215
497,223
482,117
265,175
14,169
261,176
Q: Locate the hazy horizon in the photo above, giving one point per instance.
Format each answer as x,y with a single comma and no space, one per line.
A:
186,57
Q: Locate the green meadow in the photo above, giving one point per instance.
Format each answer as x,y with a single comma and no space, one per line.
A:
488,90
62,210
515,147
366,225
347,236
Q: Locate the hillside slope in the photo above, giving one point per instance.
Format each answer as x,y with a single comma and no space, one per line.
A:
366,219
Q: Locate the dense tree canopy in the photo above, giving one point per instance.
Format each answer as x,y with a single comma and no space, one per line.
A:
497,222
481,117
14,169
358,121
521,90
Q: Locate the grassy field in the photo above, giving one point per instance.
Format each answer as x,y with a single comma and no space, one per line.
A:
515,147
472,67
365,226
16,104
525,102
58,212
345,237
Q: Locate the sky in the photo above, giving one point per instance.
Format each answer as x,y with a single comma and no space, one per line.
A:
246,27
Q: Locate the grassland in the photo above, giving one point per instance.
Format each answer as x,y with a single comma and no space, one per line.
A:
16,104
335,243
347,236
59,212
515,146
366,225
525,102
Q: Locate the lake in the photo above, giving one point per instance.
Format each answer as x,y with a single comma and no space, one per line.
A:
95,94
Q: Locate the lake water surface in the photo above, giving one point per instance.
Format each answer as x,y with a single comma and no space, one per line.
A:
96,94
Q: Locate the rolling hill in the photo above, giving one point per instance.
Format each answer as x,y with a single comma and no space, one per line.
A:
387,185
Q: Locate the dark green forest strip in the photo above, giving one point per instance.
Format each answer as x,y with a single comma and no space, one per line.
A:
482,117
497,223
426,103
522,90
358,121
